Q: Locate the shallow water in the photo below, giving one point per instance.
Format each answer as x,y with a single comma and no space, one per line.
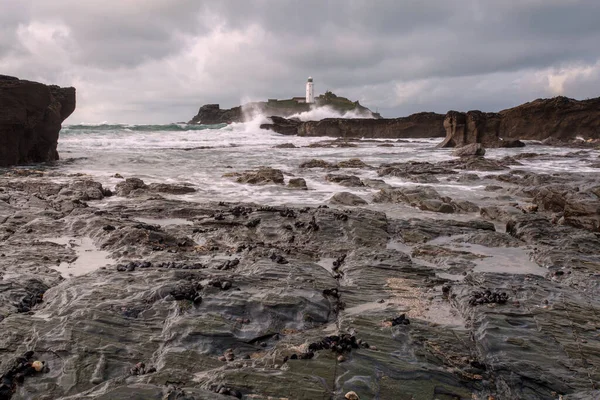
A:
164,221
89,258
506,260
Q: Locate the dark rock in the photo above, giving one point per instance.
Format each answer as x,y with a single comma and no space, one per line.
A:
347,199
278,259
35,290
413,168
282,126
401,320
582,210
126,187
420,125
31,115
189,291
212,114
262,176
285,146
84,190
15,375
476,164
352,163
416,230
511,143
345,180
559,118
318,164
170,188
425,198
297,183
472,127
488,297
469,150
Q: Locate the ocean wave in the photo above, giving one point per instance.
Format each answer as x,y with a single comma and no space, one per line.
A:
141,128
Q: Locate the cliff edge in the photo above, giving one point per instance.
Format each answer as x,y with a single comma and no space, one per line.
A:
31,115
559,118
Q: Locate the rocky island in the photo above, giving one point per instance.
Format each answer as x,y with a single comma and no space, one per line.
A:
396,287
211,114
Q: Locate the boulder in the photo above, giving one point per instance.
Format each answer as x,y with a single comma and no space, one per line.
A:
297,183
347,199
170,188
31,115
473,149
352,163
126,187
316,163
262,176
89,189
345,180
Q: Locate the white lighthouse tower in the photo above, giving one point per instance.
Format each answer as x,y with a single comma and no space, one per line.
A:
310,94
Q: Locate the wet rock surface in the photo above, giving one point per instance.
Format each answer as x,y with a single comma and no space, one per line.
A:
347,199
239,300
425,198
262,176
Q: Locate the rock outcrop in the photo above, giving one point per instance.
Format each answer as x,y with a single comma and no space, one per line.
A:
212,114
31,115
421,125
556,119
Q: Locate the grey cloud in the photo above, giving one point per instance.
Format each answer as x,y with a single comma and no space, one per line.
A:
158,60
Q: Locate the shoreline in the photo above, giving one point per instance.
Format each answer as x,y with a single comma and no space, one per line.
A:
247,299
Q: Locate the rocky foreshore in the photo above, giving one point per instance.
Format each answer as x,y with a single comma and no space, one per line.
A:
148,296
31,115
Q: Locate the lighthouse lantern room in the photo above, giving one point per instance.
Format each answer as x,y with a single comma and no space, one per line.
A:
310,94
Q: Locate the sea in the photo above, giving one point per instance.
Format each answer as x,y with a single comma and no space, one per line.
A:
200,156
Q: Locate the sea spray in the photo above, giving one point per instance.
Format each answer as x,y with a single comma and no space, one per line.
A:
318,113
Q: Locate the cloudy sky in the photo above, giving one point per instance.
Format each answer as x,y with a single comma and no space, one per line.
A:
157,61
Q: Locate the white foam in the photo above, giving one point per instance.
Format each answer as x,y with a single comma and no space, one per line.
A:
183,157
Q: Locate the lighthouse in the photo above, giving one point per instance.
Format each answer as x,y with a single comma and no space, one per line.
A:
310,94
